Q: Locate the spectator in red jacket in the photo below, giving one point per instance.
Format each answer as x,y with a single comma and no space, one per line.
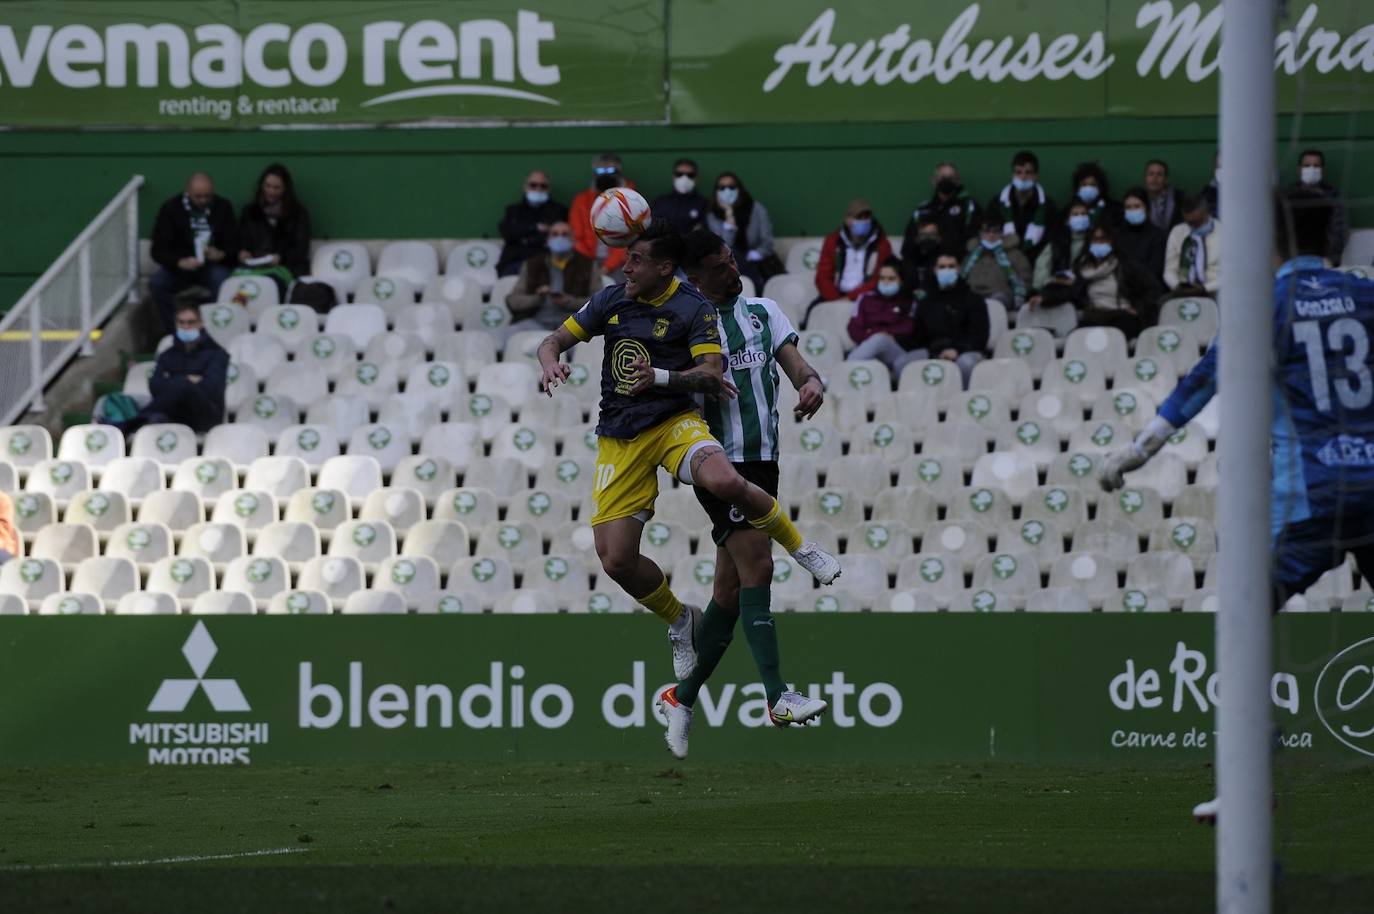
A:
884,321
606,173
851,255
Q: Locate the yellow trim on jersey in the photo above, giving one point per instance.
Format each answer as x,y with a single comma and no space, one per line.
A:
576,330
701,349
667,294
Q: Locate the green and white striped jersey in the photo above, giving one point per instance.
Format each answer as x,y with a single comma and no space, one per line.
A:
752,330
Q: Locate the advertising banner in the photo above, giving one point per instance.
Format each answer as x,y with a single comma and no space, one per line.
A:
813,60
947,687
253,63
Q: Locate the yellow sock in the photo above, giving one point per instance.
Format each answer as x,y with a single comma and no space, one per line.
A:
779,527
662,603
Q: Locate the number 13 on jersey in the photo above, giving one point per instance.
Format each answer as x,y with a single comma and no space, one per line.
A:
1356,389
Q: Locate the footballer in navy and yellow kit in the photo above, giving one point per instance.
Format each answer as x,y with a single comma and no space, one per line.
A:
637,433
662,349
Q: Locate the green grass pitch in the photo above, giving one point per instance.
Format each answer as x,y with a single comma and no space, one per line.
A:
658,838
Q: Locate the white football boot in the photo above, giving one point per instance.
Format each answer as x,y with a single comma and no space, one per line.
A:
795,708
1206,813
823,566
679,718
682,635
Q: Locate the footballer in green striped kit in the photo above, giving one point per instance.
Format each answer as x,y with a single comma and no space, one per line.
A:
757,340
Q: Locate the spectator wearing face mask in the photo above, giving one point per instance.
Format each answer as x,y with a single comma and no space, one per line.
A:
553,283
1053,301
996,267
950,207
951,320
1212,192
1192,255
745,226
919,253
1138,238
606,173
195,238
526,223
1165,202
188,379
1022,207
685,208
851,255
1312,177
1090,187
883,322
1116,291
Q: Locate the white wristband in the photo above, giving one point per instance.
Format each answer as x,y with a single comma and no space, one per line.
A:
660,377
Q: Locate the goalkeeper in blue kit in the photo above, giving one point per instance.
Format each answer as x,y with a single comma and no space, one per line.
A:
1323,429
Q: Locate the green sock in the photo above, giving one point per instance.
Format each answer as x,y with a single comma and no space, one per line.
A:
762,637
714,636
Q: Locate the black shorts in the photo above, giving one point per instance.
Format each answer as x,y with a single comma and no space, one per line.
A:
726,519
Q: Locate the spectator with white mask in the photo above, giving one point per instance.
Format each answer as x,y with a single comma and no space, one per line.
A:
1312,177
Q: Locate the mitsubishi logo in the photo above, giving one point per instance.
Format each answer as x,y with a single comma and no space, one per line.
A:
175,694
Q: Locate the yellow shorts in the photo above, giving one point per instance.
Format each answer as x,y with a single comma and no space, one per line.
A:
625,481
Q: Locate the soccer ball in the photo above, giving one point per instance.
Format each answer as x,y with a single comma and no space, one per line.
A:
619,215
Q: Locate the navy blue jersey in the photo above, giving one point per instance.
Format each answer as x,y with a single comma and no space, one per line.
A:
1323,392
670,332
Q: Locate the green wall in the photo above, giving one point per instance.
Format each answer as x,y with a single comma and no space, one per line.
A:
454,182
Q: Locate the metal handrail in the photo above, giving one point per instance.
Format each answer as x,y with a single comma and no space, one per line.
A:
28,311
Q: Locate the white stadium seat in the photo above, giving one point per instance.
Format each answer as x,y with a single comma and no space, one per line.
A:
400,507
66,603
66,544
219,544
239,444
93,445
322,507
108,577
261,577
223,603
391,292
359,323
60,479
182,577
414,261
132,477
299,603
142,543
178,509
146,603
255,292
25,445
342,264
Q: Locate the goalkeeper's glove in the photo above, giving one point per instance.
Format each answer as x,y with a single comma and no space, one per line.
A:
1133,456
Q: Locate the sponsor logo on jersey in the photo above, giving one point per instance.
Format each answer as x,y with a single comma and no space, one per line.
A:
749,358
1347,451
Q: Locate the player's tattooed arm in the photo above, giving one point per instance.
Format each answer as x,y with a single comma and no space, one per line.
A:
706,377
555,372
807,381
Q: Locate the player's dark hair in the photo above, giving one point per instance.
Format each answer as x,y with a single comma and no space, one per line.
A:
1026,157
685,161
1312,152
664,242
1161,163
1193,203
990,220
186,305
1140,194
699,245
1302,220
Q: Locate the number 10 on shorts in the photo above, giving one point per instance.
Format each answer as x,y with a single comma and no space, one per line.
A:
604,472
